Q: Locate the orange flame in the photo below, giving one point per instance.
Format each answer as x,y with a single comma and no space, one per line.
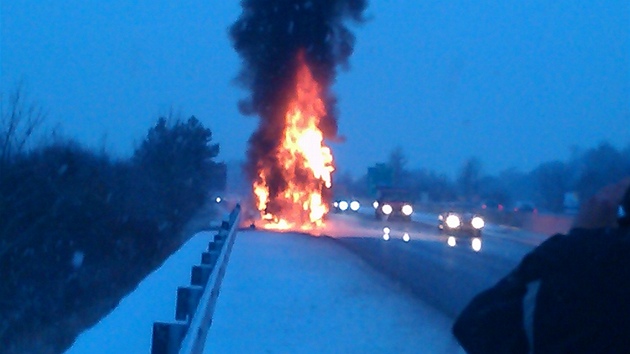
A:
304,160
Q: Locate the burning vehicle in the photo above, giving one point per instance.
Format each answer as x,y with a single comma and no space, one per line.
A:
290,52
393,204
462,227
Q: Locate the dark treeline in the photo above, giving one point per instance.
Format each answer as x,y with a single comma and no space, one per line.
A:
546,186
79,230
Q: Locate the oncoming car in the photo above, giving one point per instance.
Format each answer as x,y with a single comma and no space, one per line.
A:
393,204
346,205
462,227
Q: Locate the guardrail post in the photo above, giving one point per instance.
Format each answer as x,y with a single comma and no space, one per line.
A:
214,246
167,337
219,239
187,301
200,274
209,258
195,304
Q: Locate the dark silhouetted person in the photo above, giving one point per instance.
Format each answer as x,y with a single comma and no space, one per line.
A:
571,294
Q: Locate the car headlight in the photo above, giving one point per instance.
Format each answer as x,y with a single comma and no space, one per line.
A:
407,209
343,205
354,205
478,223
476,244
387,209
453,221
336,204
375,205
451,241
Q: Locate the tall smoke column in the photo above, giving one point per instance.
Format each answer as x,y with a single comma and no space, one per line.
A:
268,36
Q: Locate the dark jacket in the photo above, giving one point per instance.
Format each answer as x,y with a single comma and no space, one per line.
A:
582,304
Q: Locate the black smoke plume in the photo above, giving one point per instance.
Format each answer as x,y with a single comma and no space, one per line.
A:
268,36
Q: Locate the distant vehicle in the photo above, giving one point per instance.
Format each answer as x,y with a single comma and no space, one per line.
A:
344,205
393,204
462,227
525,207
491,206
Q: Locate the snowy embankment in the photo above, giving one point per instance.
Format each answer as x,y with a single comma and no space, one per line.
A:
128,328
282,293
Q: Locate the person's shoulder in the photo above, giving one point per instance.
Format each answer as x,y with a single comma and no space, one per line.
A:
561,249
578,236
579,243
555,250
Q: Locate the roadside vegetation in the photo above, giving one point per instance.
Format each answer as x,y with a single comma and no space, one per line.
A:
79,229
547,186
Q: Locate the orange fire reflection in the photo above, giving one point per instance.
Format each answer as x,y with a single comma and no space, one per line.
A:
303,159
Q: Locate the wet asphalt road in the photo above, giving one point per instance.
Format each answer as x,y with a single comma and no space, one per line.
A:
444,277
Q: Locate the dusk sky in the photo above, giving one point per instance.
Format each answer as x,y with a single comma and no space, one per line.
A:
514,83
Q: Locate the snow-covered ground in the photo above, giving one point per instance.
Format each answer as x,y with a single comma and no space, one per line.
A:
128,328
282,293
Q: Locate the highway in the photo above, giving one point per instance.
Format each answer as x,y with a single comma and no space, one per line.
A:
441,276
336,286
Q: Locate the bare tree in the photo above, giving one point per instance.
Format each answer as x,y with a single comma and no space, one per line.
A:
551,180
469,179
18,123
398,162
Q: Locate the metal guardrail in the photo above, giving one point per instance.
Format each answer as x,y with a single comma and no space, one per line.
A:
195,303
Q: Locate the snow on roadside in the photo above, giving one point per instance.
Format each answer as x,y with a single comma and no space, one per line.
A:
282,293
292,293
128,328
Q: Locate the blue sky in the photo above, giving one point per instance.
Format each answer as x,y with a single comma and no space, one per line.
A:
513,83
